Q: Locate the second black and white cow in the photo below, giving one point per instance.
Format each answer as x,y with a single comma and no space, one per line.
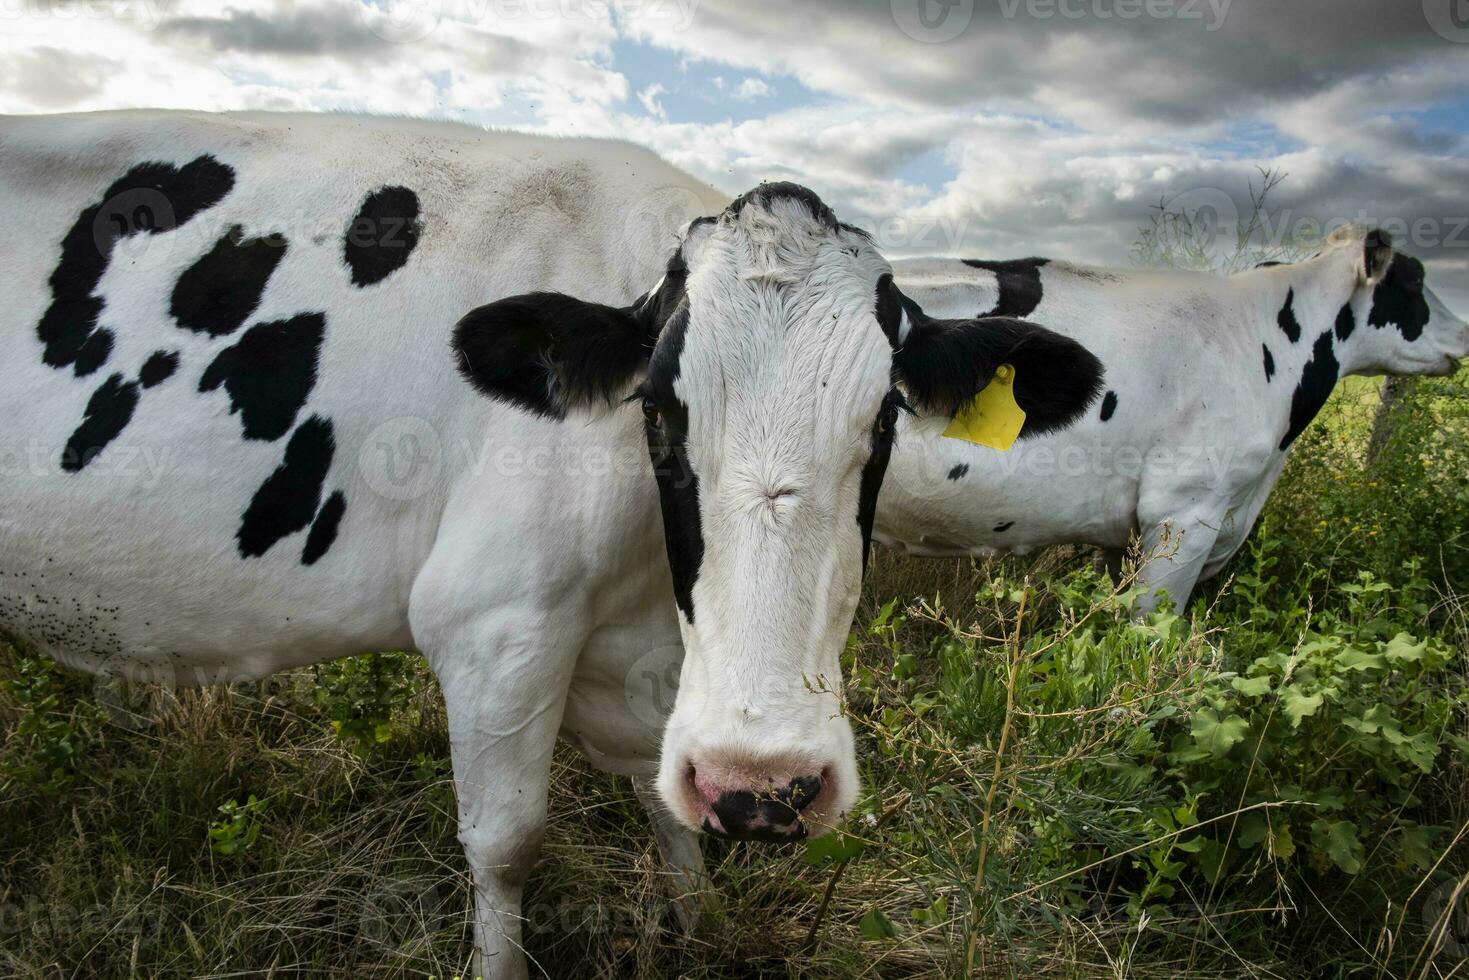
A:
249,425
1209,381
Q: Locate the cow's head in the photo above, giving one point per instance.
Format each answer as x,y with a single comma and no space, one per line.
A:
769,365
1404,328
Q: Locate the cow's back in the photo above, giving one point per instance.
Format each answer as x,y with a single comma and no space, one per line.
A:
225,342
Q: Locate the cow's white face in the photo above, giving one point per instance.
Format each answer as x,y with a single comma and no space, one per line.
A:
782,353
769,394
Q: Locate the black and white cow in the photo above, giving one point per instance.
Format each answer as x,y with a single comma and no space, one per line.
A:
250,426
1209,380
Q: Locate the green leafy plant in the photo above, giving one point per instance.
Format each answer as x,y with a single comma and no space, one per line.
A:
53,730
364,695
239,827
1339,717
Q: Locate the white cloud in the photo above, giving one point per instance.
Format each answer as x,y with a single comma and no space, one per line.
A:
752,88
649,98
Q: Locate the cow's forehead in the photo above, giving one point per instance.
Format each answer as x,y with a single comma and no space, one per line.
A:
762,299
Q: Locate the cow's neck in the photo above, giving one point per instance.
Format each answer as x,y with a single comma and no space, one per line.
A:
1311,316
1318,292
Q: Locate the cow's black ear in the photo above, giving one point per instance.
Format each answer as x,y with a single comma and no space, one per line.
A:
550,353
944,364
1378,254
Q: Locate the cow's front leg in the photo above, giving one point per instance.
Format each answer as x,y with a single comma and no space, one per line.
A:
505,695
683,858
1173,554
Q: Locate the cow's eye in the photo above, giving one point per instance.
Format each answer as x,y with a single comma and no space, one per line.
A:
650,412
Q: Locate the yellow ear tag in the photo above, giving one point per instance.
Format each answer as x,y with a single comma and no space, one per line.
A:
993,419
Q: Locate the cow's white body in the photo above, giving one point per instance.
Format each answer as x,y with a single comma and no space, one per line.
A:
1191,449
523,556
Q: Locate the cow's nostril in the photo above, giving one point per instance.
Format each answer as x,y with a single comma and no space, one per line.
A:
802,792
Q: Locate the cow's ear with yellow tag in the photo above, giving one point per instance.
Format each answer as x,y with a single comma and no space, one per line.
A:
998,379
993,418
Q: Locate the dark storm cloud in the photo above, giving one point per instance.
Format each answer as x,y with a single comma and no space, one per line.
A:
1198,61
309,32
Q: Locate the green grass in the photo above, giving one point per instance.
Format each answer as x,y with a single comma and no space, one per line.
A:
1051,790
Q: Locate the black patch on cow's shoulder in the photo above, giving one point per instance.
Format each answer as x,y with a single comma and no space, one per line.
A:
1346,322
1269,362
1399,300
959,472
882,436
217,294
1109,405
1020,284
1002,528
1317,380
545,352
108,412
286,502
1287,318
158,368
269,374
382,236
148,199
324,529
665,423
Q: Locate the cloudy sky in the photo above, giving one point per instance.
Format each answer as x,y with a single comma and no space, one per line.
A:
991,128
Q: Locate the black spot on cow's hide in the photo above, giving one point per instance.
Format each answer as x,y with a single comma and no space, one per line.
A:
269,373
1346,322
1002,528
1315,386
158,368
286,502
1109,405
1399,300
1019,282
324,528
94,352
108,412
149,199
1287,318
1269,362
217,294
959,472
382,236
